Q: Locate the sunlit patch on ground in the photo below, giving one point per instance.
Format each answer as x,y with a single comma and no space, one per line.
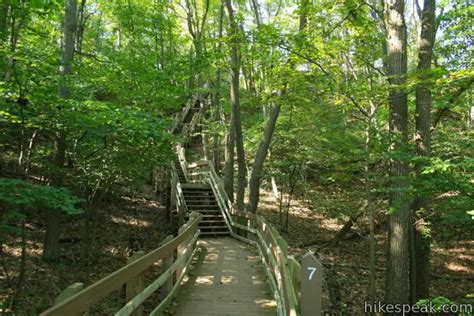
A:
205,280
130,221
266,303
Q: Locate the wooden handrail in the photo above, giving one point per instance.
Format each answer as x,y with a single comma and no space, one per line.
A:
182,161
80,302
155,285
179,117
177,195
189,128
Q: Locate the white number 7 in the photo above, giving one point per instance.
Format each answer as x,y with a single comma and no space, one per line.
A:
311,272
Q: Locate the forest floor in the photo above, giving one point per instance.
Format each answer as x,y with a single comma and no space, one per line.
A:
137,223
311,229
126,226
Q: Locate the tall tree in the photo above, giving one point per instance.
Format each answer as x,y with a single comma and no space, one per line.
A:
216,157
236,122
51,244
396,282
421,245
196,28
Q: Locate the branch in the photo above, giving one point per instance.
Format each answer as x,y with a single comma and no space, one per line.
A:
357,105
352,11
205,16
309,59
441,112
97,150
89,55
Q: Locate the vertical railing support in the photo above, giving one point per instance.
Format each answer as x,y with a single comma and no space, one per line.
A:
180,251
165,264
135,285
311,285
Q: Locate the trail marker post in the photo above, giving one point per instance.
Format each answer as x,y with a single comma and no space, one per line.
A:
311,285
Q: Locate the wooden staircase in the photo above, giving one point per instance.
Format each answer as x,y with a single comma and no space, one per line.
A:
179,170
200,198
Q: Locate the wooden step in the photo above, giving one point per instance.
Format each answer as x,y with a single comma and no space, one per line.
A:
210,206
196,186
204,216
214,207
198,193
200,201
215,233
208,211
213,225
200,198
202,211
212,221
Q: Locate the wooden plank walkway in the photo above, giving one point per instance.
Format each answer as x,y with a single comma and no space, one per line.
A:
227,279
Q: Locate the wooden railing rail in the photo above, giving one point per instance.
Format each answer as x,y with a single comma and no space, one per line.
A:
181,116
81,301
182,160
178,202
190,127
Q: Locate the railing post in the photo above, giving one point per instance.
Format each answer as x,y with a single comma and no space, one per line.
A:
165,264
180,250
67,293
135,285
182,247
295,273
311,285
172,200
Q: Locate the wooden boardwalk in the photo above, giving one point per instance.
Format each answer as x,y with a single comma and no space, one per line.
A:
227,279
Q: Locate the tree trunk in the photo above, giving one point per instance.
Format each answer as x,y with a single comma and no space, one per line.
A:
51,244
3,35
303,14
397,280
370,207
254,187
229,161
421,244
217,97
256,11
235,105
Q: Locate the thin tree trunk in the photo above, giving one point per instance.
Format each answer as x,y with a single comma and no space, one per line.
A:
234,100
421,244
217,96
229,161
291,189
370,208
303,14
81,25
3,19
255,179
4,10
51,244
256,11
397,280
